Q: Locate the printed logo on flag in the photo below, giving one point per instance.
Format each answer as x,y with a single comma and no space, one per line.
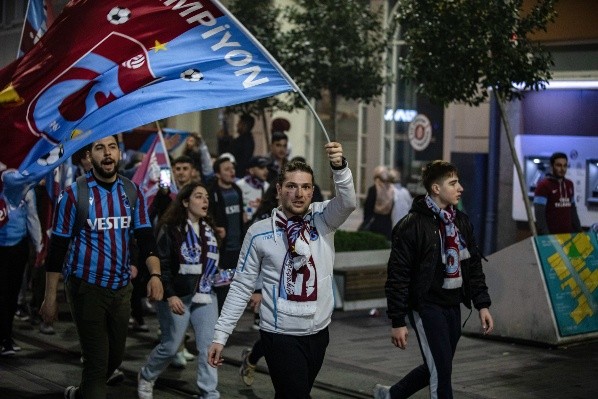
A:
95,80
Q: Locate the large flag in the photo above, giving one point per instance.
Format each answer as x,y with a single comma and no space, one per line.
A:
108,66
39,16
147,175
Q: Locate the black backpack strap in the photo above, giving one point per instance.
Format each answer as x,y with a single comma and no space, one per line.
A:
82,208
131,192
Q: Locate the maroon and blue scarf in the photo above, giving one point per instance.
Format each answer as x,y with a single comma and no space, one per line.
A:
298,289
452,245
201,248
254,182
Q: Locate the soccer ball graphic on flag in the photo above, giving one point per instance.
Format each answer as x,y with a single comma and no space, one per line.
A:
118,15
192,75
51,157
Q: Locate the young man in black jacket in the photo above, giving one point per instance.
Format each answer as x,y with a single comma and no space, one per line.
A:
434,266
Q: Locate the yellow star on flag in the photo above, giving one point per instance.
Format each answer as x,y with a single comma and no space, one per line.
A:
159,46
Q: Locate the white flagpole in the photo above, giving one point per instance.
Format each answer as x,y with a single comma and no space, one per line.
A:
161,136
275,63
23,28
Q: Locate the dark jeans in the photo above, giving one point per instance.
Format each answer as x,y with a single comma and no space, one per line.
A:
14,259
139,292
101,316
294,361
257,352
438,330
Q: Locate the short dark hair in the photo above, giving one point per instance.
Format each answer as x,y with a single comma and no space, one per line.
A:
248,120
278,136
435,171
219,162
90,145
293,166
182,159
556,156
280,125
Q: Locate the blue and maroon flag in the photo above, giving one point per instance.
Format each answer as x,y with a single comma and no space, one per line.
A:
147,175
108,66
39,16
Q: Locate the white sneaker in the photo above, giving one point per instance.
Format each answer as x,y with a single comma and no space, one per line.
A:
188,355
381,391
179,361
145,389
47,329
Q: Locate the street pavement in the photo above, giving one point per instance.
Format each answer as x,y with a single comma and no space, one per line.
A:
359,356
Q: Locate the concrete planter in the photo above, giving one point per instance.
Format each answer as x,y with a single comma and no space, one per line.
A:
360,278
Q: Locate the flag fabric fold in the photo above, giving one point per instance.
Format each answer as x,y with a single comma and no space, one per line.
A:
110,66
147,175
39,16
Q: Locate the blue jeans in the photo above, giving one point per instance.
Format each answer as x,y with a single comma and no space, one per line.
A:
173,326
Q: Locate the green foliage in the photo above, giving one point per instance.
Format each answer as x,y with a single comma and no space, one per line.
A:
458,49
335,45
262,19
345,241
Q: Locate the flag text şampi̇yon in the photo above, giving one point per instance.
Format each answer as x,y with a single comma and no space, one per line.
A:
107,67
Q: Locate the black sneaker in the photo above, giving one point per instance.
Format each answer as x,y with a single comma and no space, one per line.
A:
71,392
116,378
7,348
16,347
22,313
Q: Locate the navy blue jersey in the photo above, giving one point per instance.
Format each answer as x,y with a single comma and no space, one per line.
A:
99,254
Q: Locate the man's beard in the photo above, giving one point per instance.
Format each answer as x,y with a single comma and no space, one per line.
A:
97,168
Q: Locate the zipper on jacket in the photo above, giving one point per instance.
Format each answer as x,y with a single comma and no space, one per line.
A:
274,310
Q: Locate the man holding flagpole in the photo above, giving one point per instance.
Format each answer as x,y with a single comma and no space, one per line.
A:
292,252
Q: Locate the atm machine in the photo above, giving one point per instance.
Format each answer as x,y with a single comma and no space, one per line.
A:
535,167
592,183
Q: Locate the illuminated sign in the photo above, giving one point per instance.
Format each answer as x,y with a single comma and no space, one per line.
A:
420,132
400,115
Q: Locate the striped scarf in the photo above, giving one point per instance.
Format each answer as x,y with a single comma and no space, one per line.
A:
298,288
200,249
452,245
254,182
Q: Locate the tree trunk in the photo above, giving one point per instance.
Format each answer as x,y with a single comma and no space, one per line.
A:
507,125
266,132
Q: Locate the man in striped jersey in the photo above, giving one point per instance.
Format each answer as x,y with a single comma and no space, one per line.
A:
94,259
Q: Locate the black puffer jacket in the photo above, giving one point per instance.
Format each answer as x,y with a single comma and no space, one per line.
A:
175,284
414,257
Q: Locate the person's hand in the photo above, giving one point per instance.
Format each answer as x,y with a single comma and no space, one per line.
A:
134,271
255,300
486,320
155,290
215,358
335,153
220,232
172,141
49,311
176,305
398,336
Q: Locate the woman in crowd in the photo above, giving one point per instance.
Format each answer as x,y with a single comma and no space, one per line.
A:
188,254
